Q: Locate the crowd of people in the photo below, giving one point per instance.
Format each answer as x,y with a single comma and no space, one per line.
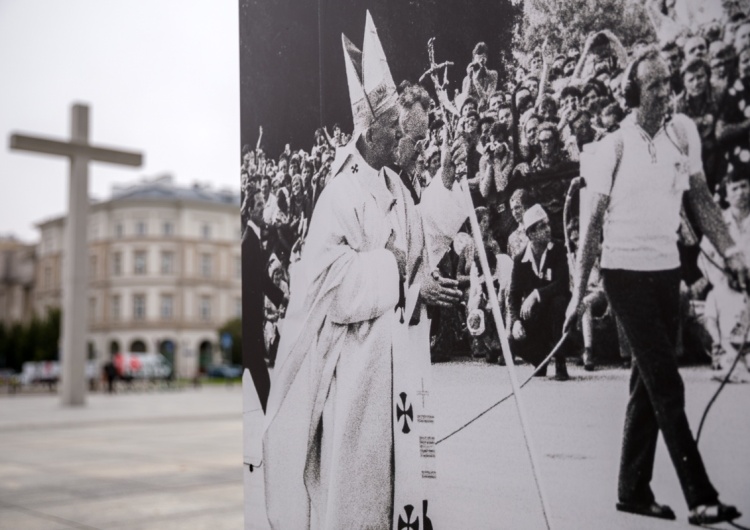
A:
593,182
525,138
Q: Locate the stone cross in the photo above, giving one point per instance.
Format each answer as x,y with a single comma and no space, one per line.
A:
75,250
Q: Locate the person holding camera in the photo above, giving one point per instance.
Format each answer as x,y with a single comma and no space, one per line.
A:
496,162
480,82
495,167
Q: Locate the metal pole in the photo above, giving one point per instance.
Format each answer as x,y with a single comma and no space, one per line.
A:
495,306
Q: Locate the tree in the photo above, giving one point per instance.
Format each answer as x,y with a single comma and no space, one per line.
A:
234,328
568,23
47,345
3,346
13,346
36,341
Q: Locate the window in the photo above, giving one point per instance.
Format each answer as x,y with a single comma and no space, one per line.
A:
92,309
204,310
48,242
206,231
117,264
167,228
139,262
116,307
47,277
139,307
140,228
119,230
237,267
93,267
167,306
206,265
167,262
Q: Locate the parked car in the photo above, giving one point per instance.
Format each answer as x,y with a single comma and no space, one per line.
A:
48,373
224,371
10,379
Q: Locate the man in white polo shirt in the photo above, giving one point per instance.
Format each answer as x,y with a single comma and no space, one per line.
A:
636,178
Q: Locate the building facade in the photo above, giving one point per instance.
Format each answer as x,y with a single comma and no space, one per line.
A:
17,275
164,268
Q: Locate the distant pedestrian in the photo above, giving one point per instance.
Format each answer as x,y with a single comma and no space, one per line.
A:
110,373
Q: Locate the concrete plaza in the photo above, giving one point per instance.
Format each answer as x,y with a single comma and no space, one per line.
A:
172,459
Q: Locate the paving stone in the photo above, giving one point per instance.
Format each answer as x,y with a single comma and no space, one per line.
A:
168,460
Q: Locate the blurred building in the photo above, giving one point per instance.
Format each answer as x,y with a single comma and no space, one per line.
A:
164,268
17,272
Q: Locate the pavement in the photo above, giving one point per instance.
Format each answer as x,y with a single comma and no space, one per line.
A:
173,459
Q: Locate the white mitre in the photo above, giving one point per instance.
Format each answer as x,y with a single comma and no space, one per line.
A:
371,88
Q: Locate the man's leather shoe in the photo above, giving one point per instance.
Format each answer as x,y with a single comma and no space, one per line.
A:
561,370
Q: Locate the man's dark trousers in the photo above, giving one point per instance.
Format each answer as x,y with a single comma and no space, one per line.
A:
543,331
647,304
255,286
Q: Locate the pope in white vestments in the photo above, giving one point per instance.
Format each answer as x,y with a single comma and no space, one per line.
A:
333,449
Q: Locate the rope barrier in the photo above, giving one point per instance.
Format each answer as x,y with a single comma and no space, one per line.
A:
508,396
721,386
560,344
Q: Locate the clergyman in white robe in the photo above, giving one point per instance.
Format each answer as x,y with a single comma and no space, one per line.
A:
328,446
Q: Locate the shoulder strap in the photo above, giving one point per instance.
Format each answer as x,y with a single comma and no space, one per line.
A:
619,148
681,134
688,234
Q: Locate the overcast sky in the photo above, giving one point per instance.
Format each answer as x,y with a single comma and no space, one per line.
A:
161,77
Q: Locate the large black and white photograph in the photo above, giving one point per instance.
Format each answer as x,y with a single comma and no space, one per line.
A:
495,263
375,264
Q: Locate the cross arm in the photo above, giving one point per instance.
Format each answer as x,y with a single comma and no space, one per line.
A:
70,149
